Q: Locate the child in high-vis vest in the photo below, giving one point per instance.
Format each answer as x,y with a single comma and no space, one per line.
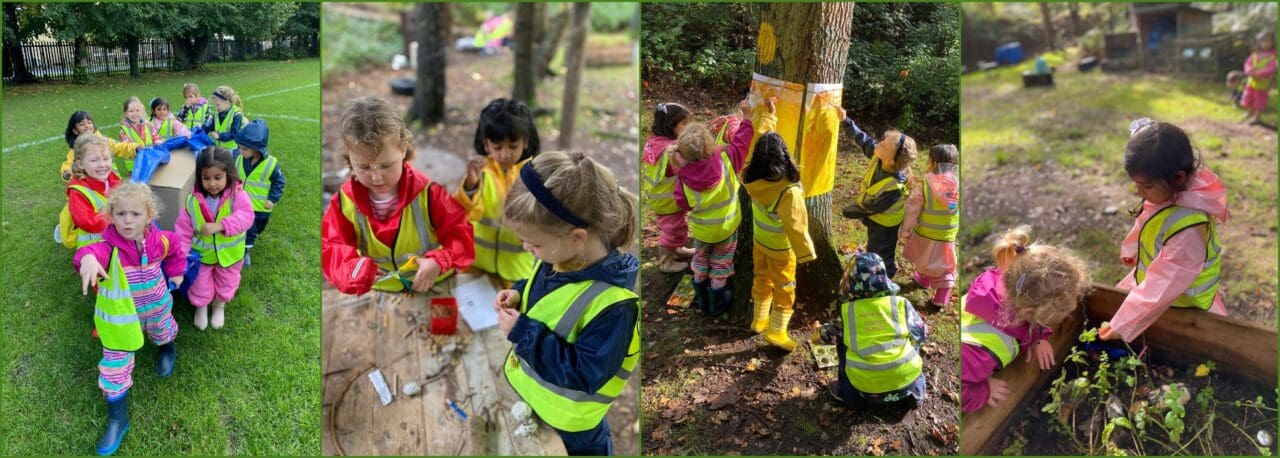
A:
134,129
573,323
223,126
92,181
506,139
879,340
659,163
931,223
1174,244
780,232
1011,309
81,123
217,214
263,179
880,206
389,228
195,109
163,123
707,187
1260,68
129,268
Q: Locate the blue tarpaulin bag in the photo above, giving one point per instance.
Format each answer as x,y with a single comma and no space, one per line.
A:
151,157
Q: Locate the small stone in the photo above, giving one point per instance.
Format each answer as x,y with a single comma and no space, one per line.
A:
411,389
1264,438
1111,210
521,411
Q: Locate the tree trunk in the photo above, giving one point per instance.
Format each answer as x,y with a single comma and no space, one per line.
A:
180,54
1047,17
811,47
428,96
574,59
14,62
199,52
526,35
79,73
131,44
547,45
1074,9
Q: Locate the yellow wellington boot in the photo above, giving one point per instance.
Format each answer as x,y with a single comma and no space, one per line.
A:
777,334
761,318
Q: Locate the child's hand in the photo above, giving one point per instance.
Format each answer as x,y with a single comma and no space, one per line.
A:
213,135
90,272
1044,354
507,319
428,271
771,104
269,205
1106,333
507,298
999,391
211,228
177,281
475,167
744,107
841,114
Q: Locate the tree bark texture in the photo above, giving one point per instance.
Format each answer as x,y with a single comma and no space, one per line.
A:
806,43
547,44
14,62
575,56
528,21
131,44
428,96
1047,17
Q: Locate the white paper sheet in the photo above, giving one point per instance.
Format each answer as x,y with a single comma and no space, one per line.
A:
476,294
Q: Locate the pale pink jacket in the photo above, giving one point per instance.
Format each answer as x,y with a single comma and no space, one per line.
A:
1177,265
932,259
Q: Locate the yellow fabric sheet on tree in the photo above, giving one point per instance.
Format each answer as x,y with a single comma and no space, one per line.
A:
813,106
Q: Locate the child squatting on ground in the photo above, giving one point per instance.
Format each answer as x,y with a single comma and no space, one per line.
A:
262,176
880,206
1011,309
506,139
129,267
389,228
780,230
707,187
879,341
1173,246
931,222
659,163
213,223
574,324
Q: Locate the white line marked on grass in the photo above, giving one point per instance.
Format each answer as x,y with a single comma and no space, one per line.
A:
286,117
267,94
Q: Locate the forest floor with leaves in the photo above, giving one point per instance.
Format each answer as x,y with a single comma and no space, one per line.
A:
605,130
714,387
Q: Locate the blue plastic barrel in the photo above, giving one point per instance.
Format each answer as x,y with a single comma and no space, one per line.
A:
1010,53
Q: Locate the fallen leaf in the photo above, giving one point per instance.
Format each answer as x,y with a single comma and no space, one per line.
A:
753,364
723,400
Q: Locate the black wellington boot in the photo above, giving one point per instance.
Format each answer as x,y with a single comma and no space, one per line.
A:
166,357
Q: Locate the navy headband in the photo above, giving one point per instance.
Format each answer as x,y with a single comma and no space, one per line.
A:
216,94
902,138
540,192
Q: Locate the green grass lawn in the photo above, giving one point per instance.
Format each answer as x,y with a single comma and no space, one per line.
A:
1071,138
251,388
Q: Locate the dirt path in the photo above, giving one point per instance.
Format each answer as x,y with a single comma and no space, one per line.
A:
606,130
703,394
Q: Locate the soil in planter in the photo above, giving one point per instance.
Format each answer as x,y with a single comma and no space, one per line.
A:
1235,429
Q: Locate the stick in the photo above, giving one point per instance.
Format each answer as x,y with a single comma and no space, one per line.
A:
333,411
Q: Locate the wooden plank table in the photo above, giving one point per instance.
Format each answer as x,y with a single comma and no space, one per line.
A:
1247,350
389,332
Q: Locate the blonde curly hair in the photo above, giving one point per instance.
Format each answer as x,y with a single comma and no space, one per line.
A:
1043,283
369,124
133,191
694,144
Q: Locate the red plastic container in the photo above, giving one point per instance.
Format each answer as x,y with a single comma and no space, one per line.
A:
444,315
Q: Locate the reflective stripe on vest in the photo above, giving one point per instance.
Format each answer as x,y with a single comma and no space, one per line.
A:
658,187
879,360
567,310
97,201
893,216
258,184
114,314
976,331
1258,62
222,126
937,221
197,117
498,249
217,249
415,236
767,225
714,215
1157,231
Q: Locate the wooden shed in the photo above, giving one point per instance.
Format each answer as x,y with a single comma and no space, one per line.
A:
1156,27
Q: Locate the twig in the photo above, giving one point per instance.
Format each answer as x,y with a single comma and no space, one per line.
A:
333,411
336,371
